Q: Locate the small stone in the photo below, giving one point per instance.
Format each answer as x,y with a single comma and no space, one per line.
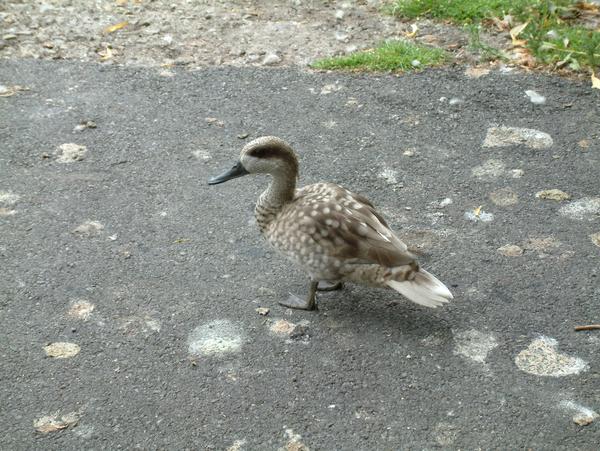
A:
552,194
517,173
351,48
510,250
584,143
339,14
512,136
409,153
583,419
214,121
595,237
70,152
415,63
455,101
88,228
83,125
262,311
270,59
341,36
243,135
536,99
61,350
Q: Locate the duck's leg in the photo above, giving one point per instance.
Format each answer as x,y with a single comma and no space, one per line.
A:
324,285
309,303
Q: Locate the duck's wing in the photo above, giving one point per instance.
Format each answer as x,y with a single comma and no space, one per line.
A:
347,226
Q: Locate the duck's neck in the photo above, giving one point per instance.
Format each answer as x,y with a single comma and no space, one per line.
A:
280,191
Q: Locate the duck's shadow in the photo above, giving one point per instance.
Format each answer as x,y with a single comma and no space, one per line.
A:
361,308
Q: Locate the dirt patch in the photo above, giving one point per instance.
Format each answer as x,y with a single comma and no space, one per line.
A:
204,33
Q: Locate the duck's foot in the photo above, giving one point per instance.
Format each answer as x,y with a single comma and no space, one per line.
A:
309,303
323,285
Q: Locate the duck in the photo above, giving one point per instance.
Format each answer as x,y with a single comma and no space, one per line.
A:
334,235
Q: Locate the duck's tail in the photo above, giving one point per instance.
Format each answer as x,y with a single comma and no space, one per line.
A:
425,289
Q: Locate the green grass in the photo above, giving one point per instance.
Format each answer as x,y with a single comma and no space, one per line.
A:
389,56
553,35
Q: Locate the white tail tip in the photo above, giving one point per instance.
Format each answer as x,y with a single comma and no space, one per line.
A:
424,290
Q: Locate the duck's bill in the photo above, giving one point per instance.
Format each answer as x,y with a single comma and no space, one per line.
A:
237,171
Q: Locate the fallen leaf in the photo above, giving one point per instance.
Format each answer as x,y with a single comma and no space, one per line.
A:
510,250
516,31
61,350
476,72
584,143
7,91
282,327
116,27
477,211
413,33
595,81
52,423
552,194
595,237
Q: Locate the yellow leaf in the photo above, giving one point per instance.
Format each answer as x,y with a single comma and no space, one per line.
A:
477,211
595,81
116,27
516,31
413,33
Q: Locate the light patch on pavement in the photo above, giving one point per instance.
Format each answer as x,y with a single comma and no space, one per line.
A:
282,327
504,197
70,152
535,97
202,155
8,198
329,88
62,350
541,358
478,216
217,337
85,431
490,169
474,345
582,415
389,175
237,445
56,422
89,228
145,324
294,442
512,136
7,212
329,124
81,309
445,433
510,250
587,208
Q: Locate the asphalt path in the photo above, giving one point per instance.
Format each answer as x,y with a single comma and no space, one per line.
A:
116,245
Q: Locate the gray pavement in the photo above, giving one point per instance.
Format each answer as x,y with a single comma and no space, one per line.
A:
125,252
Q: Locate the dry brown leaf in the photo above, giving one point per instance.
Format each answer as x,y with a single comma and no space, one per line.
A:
523,57
116,27
52,423
595,237
477,211
516,31
595,81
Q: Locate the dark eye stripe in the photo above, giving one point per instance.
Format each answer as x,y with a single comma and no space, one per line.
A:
266,152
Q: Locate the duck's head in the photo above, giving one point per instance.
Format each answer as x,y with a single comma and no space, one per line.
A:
265,155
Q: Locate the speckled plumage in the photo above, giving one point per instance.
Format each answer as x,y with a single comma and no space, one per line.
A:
330,232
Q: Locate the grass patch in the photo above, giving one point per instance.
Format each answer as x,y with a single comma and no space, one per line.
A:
553,35
389,56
